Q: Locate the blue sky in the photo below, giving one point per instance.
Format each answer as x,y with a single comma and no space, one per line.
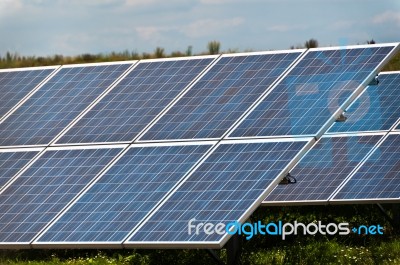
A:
71,27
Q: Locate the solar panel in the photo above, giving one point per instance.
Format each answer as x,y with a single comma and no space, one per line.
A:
122,197
324,167
226,187
378,178
308,99
129,107
12,161
16,84
377,108
58,102
215,102
35,197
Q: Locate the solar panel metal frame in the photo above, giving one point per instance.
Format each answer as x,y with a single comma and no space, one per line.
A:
215,57
114,245
302,53
308,142
114,83
397,125
327,201
55,69
346,103
332,199
354,102
27,245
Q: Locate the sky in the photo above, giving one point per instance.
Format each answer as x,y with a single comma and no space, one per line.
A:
72,27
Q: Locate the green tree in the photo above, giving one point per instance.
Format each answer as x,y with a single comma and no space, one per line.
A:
213,47
159,52
189,50
311,43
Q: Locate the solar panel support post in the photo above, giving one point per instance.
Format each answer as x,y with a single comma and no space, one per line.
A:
215,257
393,222
234,249
396,216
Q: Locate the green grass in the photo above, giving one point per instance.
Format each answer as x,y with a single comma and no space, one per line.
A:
301,253
329,253
394,64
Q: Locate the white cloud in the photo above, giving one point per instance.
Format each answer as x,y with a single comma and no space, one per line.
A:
206,27
151,32
141,3
72,43
387,17
342,24
8,7
196,29
221,2
285,28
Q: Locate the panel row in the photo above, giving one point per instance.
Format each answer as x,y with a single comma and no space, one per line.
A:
99,195
336,155
352,168
267,94
376,109
146,195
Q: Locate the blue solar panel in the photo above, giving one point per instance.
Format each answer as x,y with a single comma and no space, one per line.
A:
12,161
377,108
16,84
221,96
325,166
57,103
306,99
136,101
378,177
122,197
224,188
45,188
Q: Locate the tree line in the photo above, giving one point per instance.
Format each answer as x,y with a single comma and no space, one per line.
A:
15,60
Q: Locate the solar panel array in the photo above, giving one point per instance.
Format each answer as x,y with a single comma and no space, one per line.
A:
221,96
15,85
221,190
344,153
57,103
379,176
305,101
324,168
125,111
123,196
376,109
126,154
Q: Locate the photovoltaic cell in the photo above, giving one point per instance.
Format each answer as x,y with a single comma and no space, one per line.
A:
378,177
122,197
221,96
377,108
57,103
135,101
325,166
312,91
16,84
222,189
45,188
11,162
